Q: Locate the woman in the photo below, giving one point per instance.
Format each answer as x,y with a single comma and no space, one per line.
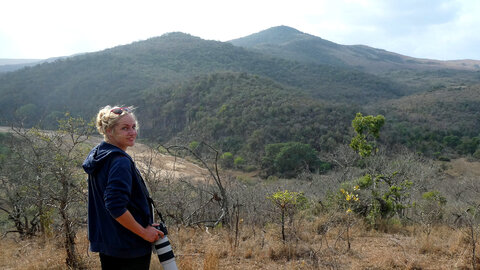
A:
119,213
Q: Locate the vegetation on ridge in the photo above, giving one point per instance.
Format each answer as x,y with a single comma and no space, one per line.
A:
242,100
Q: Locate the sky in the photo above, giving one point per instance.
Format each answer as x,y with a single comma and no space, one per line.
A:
433,29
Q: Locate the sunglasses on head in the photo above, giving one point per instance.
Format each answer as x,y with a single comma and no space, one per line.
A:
120,110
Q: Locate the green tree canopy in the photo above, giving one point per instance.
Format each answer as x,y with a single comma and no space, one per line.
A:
288,159
367,129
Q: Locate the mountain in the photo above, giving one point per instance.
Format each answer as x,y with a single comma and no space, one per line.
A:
289,43
5,61
82,83
242,97
8,65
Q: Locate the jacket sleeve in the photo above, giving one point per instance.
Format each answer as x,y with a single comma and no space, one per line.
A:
119,186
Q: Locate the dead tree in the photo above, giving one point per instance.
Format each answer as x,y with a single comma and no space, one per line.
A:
221,197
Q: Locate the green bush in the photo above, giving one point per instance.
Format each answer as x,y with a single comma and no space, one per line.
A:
477,154
289,159
226,160
239,162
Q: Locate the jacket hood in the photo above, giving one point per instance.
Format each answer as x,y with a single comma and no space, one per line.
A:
99,154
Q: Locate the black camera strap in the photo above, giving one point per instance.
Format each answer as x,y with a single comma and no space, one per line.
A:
156,209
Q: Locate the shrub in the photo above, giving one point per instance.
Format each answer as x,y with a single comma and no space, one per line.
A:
477,154
239,162
226,160
289,159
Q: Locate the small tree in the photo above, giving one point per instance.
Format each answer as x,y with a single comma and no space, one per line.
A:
367,129
212,167
53,178
472,218
17,197
239,162
24,183
390,192
390,196
67,177
431,209
349,201
287,201
226,160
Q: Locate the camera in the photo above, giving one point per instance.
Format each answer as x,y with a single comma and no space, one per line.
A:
164,249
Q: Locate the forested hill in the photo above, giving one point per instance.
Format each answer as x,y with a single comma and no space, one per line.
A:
289,43
242,113
241,98
82,83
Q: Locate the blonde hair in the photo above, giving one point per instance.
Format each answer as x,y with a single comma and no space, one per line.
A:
106,119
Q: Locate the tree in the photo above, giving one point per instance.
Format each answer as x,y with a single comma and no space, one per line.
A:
390,195
226,160
18,196
68,183
389,192
431,209
222,198
451,141
287,202
43,177
239,162
348,200
367,129
468,146
27,113
289,159
25,187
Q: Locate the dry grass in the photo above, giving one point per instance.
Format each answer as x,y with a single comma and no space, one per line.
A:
318,246
41,254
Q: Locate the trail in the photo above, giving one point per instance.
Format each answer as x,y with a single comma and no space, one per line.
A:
166,165
461,167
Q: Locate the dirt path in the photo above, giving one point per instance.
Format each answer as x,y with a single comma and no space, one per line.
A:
463,168
164,164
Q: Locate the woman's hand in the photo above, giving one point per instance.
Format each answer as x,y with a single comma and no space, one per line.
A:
149,233
152,234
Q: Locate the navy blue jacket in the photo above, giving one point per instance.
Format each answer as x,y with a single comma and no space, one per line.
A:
115,186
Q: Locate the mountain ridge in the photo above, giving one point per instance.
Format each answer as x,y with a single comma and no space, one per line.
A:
283,41
296,45
238,97
168,59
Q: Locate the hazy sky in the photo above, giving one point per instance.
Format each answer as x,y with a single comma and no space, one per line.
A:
435,29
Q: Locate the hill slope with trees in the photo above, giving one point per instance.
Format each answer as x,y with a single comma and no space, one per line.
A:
82,83
290,43
283,85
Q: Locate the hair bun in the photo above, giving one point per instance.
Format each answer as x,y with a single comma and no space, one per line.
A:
106,119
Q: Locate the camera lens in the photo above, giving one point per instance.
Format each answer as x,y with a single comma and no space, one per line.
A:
164,250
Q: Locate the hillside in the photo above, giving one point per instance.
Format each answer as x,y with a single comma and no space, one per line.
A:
81,84
242,113
289,43
274,86
437,122
9,65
